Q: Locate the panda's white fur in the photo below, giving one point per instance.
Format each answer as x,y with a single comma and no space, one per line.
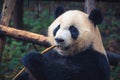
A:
88,34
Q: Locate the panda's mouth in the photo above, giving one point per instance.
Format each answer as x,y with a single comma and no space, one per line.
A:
61,47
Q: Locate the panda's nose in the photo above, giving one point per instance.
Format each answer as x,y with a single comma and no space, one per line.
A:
59,40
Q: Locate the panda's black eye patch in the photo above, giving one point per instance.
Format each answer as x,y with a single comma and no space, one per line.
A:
56,29
74,32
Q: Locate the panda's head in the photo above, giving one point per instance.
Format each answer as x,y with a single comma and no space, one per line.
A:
75,31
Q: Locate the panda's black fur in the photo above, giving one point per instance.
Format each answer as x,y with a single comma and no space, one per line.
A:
99,17
86,65
56,29
59,10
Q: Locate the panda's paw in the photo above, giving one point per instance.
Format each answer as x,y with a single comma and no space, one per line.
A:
32,59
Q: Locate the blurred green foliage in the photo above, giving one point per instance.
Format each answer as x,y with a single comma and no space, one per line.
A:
110,27
37,22
14,51
115,73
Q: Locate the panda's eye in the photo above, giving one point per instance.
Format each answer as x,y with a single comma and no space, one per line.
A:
56,29
74,32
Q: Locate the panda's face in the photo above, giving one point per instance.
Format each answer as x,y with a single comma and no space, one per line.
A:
65,37
72,31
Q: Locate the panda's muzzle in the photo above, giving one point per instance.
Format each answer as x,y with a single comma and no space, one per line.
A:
61,44
63,47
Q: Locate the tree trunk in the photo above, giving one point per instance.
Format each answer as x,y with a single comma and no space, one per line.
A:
7,10
1,5
89,5
18,14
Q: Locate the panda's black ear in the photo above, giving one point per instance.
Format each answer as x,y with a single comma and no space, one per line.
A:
96,16
59,10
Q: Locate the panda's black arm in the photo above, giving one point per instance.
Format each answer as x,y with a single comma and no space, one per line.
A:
114,58
34,62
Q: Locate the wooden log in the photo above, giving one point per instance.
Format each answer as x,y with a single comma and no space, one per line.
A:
89,5
24,35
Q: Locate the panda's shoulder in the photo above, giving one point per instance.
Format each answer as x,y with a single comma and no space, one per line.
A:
103,63
98,56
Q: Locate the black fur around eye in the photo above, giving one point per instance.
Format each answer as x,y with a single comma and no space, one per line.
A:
74,32
56,29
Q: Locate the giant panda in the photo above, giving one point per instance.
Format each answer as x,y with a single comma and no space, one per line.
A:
80,54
